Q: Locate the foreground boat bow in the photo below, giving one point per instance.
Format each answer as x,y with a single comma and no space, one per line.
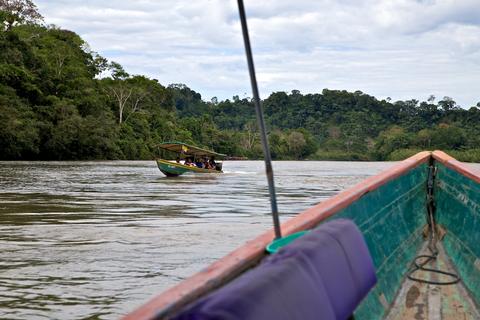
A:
390,210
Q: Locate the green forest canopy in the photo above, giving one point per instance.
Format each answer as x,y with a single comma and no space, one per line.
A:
60,100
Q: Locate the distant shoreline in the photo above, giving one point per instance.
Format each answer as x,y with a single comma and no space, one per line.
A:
468,156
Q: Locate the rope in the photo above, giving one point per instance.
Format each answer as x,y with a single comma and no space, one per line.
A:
432,242
416,266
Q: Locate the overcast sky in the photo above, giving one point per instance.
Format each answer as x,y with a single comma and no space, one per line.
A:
401,49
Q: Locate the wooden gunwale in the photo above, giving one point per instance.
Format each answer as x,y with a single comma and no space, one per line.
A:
253,251
456,165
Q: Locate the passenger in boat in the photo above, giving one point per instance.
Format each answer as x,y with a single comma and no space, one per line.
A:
207,164
212,163
189,162
200,163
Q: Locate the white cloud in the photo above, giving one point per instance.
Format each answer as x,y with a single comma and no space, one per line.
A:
399,48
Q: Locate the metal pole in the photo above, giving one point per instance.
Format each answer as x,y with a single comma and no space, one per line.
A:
260,120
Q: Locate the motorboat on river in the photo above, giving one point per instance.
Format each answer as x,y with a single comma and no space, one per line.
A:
186,152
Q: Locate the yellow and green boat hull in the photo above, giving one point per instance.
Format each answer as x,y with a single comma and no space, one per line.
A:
174,169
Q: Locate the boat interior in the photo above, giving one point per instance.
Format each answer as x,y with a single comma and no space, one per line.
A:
419,300
394,220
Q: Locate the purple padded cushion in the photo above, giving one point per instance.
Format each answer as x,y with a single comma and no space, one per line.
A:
356,250
286,286
342,259
322,275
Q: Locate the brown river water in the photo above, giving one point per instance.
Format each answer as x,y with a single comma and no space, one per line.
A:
97,239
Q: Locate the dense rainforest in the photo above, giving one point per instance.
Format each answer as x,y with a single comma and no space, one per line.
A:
60,100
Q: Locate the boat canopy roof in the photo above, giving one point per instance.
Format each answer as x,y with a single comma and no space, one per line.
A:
188,150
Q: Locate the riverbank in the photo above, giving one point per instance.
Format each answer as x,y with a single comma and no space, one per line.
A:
470,155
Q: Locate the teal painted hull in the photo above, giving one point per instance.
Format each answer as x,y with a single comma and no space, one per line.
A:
391,219
458,211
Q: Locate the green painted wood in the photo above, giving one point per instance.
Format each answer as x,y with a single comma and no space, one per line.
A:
170,169
458,210
391,219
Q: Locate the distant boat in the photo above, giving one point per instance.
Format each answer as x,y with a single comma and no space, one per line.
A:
183,151
356,259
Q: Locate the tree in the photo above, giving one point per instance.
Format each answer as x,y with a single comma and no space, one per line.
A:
129,93
447,104
141,89
296,143
18,133
278,145
447,137
120,93
390,140
428,113
15,12
423,138
187,102
250,136
117,71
